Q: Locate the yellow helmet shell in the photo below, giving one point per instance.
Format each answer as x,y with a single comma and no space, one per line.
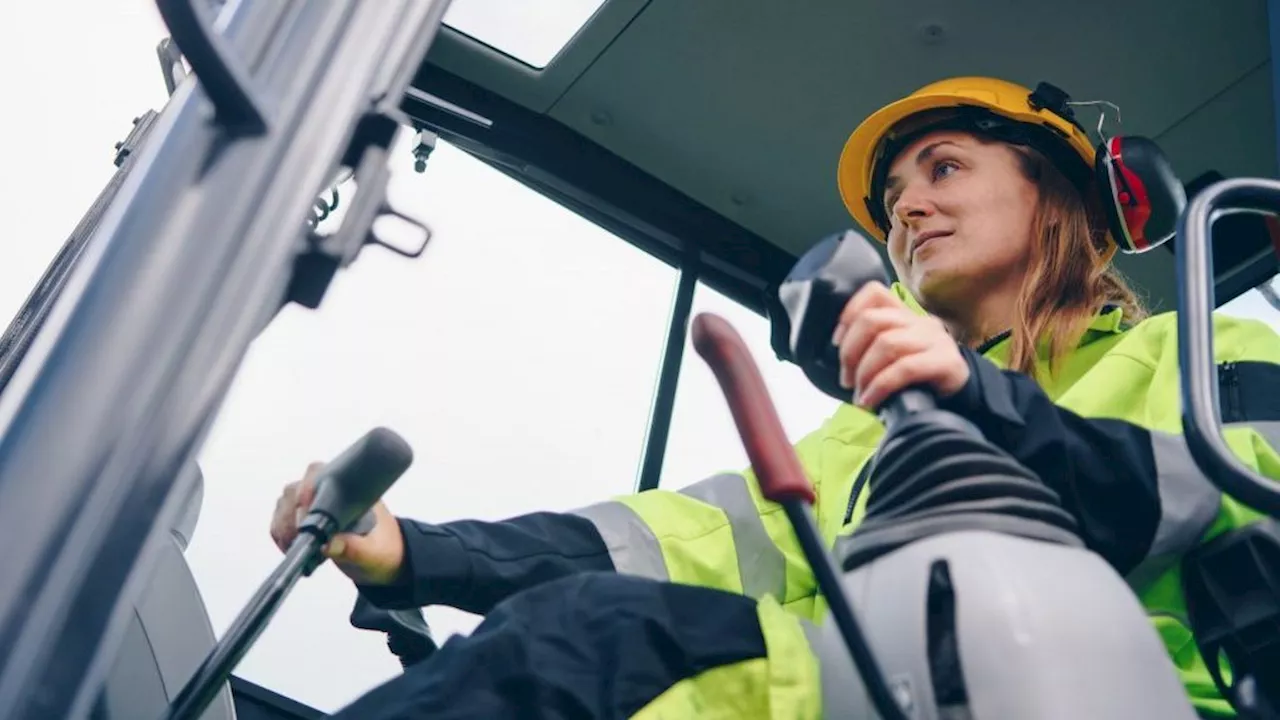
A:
1010,100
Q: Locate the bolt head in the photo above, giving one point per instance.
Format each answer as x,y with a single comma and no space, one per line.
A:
932,33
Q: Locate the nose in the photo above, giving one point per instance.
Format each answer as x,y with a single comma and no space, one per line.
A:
912,204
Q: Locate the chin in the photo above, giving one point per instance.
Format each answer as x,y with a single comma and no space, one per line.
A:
940,285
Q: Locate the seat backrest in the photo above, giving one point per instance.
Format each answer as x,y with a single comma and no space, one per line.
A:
168,636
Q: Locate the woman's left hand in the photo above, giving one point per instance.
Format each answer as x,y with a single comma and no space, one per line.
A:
885,347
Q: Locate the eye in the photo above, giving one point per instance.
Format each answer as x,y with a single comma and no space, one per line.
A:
942,165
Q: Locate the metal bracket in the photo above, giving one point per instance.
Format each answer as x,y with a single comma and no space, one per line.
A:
326,254
388,211
225,81
171,65
424,144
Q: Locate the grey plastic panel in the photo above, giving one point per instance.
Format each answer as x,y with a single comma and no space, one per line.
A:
185,525
174,617
134,688
168,636
1044,631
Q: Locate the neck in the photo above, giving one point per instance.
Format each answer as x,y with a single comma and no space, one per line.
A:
973,323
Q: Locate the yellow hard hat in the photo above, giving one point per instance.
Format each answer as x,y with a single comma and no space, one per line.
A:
1041,118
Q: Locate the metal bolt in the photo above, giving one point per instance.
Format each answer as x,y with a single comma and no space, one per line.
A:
932,33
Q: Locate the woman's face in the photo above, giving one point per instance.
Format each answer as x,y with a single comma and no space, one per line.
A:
961,216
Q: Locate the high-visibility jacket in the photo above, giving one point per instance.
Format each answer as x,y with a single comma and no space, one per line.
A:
1105,432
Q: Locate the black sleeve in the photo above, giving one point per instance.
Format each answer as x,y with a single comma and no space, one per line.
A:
473,565
1105,470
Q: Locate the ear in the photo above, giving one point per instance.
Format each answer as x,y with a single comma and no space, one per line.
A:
1141,195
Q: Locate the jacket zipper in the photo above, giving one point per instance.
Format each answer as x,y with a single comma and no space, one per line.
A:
1229,386
863,474
992,342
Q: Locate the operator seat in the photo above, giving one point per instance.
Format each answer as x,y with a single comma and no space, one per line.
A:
168,636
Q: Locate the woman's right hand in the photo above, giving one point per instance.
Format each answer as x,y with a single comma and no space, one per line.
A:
373,559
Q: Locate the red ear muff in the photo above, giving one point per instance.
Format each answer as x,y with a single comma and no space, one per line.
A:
1140,193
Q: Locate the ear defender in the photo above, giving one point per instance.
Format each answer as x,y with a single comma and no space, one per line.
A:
1141,194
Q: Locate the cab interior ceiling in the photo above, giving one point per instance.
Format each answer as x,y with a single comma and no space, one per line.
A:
730,114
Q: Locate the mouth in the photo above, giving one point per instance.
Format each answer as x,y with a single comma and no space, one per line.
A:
923,238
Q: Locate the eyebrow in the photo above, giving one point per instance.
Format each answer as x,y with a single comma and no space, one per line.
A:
892,182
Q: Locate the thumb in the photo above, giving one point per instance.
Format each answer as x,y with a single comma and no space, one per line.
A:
346,546
336,548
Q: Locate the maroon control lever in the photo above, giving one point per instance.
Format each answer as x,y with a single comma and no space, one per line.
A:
782,480
774,460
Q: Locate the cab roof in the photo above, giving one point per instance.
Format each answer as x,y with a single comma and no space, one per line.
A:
719,122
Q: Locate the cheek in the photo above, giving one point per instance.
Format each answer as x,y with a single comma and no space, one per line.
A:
897,248
999,224
1022,215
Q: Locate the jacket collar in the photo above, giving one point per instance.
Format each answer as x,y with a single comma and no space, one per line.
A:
1109,321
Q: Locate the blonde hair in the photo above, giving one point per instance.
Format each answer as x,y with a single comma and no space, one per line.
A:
1069,277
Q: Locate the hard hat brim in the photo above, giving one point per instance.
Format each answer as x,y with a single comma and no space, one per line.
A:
858,157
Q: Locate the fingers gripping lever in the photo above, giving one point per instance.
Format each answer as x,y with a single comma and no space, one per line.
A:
782,480
345,491
813,295
351,484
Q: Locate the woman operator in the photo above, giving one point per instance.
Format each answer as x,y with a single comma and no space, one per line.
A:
1001,236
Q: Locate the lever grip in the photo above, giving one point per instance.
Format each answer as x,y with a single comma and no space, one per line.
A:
899,406
774,460
353,482
364,524
812,297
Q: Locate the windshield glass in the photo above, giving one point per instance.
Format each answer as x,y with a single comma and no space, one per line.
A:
531,32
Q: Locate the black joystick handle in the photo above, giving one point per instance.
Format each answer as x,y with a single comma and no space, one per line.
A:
345,492
348,486
814,294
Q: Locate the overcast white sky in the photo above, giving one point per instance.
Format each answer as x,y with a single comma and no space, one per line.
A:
424,347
